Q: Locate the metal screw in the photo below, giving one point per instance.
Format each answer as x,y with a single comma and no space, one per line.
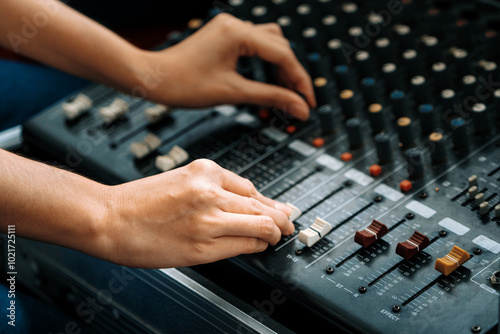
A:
348,183
410,215
396,308
443,233
298,251
362,289
423,194
476,329
378,198
477,250
495,278
319,168
329,270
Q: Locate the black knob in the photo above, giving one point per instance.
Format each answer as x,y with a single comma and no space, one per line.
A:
306,15
398,104
343,77
391,77
312,40
405,132
491,41
438,152
441,76
240,8
431,49
461,60
469,84
317,65
376,118
496,97
384,149
354,134
346,98
369,91
403,36
459,133
283,7
480,117
415,163
322,91
327,119
364,64
336,52
384,50
261,14
412,62
350,13
420,90
290,30
330,26
427,118
447,99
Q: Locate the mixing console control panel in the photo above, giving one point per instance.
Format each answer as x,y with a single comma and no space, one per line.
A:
394,181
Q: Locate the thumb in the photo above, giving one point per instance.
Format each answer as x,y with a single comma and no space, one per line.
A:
268,95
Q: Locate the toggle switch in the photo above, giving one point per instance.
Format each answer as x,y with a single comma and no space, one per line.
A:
315,232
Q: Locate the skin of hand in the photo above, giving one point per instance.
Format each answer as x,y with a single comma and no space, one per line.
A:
201,70
195,214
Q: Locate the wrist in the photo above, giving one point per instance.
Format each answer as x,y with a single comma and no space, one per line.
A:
149,75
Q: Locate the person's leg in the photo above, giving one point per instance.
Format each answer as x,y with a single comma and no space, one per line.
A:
29,88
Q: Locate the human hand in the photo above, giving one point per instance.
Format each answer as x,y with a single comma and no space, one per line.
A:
201,70
196,214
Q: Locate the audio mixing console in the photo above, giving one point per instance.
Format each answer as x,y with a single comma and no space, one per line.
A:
394,180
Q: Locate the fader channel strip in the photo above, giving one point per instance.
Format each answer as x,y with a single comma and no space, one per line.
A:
394,180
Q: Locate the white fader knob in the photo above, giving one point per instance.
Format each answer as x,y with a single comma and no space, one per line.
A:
147,145
156,112
76,107
116,109
172,159
295,212
315,232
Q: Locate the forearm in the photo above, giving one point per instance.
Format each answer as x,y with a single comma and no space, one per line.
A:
53,33
52,205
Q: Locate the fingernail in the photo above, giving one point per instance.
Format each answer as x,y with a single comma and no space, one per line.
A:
291,227
299,112
283,207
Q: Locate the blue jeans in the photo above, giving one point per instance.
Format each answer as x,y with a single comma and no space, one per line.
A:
29,88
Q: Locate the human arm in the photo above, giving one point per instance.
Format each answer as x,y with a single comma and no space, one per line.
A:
198,72
195,214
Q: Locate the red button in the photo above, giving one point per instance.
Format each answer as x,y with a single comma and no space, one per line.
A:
405,185
291,129
318,142
264,113
375,170
346,156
